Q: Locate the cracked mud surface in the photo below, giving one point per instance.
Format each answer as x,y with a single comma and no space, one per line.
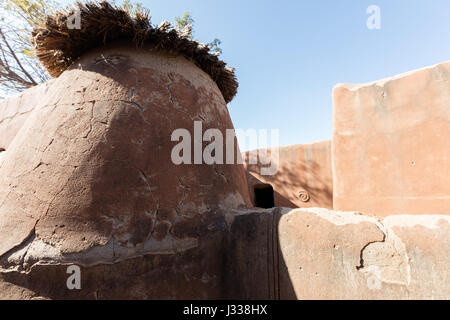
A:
90,179
347,255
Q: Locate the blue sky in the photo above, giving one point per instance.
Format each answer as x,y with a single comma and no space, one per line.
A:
288,55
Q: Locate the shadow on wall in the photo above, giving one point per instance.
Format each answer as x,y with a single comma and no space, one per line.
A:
302,180
254,260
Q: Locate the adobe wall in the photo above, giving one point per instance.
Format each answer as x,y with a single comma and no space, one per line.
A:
391,142
278,253
303,179
315,253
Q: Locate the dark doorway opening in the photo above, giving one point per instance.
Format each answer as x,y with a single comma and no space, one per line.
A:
264,196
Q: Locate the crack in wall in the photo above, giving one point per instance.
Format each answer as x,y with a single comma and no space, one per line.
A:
33,252
389,256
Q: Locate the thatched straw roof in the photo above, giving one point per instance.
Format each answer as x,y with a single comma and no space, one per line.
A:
58,47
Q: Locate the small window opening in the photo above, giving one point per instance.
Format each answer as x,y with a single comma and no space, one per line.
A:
264,196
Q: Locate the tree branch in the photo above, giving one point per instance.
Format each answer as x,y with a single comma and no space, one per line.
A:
16,59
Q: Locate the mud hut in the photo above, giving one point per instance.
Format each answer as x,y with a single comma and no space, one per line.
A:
91,173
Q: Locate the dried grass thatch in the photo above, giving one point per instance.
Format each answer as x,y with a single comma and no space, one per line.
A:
58,46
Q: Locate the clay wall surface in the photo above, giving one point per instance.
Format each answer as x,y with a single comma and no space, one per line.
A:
278,253
391,144
315,253
15,109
